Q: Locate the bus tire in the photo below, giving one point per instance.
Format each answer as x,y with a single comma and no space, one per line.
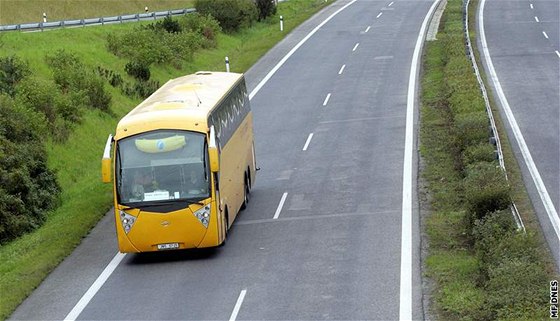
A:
245,195
226,219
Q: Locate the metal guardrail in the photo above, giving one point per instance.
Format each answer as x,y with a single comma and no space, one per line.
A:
495,136
95,21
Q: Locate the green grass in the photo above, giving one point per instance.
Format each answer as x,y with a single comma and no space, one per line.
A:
20,11
25,262
462,290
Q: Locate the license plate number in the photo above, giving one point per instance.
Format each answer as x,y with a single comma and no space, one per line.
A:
168,246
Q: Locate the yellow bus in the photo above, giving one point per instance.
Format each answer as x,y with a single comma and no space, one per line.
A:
183,164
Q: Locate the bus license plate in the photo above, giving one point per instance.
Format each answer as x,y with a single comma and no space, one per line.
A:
168,246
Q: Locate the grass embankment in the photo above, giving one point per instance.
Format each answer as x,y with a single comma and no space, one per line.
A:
483,267
25,262
18,11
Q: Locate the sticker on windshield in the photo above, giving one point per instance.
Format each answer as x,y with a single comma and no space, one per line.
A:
156,196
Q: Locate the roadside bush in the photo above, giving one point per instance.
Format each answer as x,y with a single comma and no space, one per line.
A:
60,112
68,71
72,77
115,79
517,289
12,71
486,190
168,24
490,231
137,70
472,129
483,152
39,95
144,89
98,96
513,246
141,44
148,46
182,46
231,14
204,25
27,188
248,12
266,8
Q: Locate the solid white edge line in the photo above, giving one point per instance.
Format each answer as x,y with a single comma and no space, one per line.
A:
379,15
280,205
238,305
405,303
527,157
294,49
545,35
326,101
307,141
367,29
94,288
356,47
341,69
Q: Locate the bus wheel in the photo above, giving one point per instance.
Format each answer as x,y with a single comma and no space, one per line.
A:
245,196
226,223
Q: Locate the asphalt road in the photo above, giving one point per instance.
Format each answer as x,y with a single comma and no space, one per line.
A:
524,42
330,141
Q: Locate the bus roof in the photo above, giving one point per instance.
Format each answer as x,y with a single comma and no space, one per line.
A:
182,103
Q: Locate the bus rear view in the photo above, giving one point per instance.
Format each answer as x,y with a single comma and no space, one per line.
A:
183,164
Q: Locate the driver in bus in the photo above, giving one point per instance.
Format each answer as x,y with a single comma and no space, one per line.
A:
142,182
197,184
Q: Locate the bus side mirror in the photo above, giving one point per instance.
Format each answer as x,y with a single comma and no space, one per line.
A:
214,159
213,152
106,161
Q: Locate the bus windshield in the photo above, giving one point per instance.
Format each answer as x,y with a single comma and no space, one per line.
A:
162,166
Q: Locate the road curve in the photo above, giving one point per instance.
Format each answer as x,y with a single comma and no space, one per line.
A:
321,238
522,43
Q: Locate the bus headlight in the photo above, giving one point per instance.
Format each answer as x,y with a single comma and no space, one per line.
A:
203,215
127,221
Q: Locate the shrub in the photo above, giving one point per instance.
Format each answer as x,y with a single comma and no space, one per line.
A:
68,71
147,46
231,14
182,46
486,190
168,24
472,129
12,71
204,25
248,12
72,77
144,89
483,152
39,95
266,8
138,70
489,232
18,123
27,188
98,96
517,289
